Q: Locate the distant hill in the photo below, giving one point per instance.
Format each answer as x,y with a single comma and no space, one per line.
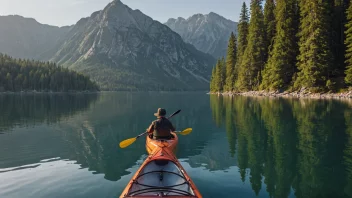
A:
26,38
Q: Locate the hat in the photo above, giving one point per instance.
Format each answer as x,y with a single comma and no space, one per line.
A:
161,112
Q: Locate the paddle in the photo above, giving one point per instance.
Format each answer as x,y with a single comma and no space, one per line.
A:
130,141
185,132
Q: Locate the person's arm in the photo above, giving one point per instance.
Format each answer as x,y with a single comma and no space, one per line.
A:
151,128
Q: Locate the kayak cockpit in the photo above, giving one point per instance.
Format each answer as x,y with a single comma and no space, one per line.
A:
161,178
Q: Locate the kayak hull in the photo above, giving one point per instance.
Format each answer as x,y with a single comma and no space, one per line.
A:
153,145
161,175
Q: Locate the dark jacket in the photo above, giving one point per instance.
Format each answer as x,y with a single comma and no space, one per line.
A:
161,128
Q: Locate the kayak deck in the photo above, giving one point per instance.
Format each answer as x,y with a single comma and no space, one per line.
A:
161,178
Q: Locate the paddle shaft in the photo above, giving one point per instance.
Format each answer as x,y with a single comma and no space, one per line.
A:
167,118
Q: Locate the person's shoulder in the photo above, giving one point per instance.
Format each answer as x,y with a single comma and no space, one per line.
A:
167,120
155,121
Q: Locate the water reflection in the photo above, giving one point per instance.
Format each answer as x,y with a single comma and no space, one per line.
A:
27,121
348,153
118,116
289,143
250,146
31,109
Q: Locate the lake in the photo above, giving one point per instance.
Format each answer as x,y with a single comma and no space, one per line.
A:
66,145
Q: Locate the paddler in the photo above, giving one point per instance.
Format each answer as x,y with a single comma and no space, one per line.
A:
161,128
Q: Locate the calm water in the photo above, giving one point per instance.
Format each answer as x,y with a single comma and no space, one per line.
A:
67,145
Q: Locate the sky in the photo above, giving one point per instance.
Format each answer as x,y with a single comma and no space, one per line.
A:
68,12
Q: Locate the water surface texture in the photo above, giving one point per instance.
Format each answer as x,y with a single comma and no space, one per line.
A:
66,145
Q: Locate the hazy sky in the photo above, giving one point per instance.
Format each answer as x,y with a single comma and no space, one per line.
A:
68,12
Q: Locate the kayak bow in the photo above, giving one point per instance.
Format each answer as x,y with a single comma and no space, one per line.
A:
161,174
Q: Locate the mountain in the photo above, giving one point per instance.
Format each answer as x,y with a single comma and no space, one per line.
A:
208,33
119,48
122,48
26,38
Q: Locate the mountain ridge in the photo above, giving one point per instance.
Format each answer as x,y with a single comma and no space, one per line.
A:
209,33
23,37
120,48
131,43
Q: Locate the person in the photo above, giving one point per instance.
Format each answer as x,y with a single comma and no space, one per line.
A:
161,128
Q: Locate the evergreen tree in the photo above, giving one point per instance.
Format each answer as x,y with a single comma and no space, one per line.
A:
348,43
253,59
243,25
281,63
212,80
315,58
26,75
269,22
231,74
223,73
338,27
218,76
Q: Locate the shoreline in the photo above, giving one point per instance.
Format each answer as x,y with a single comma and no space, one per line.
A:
286,94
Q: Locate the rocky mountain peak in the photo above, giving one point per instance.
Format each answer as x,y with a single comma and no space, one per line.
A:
119,40
180,19
209,33
213,14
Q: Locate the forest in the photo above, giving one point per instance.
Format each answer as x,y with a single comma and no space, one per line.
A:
28,75
289,45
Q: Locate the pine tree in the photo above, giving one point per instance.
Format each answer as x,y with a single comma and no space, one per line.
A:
348,43
269,22
231,74
338,27
218,74
281,63
315,58
25,75
243,26
253,59
223,73
212,80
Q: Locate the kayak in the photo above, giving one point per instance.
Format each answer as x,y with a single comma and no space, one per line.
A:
161,175
152,145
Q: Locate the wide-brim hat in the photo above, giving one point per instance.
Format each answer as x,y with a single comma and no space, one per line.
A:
160,112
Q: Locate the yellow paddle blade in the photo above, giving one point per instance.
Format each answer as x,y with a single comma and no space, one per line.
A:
186,131
127,142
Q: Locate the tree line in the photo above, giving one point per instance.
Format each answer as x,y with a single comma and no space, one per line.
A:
289,45
27,75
